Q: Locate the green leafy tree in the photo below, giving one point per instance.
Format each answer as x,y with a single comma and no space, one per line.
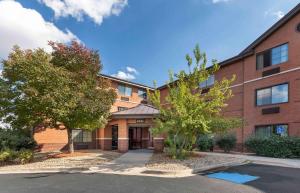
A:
189,113
54,89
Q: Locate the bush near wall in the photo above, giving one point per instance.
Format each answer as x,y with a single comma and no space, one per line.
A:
15,140
205,143
274,146
226,141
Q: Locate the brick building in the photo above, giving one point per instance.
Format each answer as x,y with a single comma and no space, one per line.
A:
266,94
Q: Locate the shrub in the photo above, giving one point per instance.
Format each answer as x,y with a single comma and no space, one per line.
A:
274,146
205,142
226,142
15,140
25,156
7,155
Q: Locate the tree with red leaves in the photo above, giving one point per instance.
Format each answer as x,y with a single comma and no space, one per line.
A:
63,87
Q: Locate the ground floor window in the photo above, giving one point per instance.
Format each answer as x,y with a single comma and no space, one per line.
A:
81,135
268,130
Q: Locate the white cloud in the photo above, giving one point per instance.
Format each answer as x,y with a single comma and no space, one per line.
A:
132,70
27,28
128,74
278,14
219,1
95,9
124,75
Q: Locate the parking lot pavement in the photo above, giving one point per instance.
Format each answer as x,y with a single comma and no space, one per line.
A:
272,179
111,183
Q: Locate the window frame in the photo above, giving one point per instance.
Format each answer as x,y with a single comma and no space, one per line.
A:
125,86
273,126
206,81
124,108
145,93
81,132
288,93
270,52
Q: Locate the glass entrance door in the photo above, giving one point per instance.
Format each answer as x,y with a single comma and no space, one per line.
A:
114,137
135,137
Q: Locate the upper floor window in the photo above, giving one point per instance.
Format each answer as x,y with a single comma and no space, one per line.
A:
81,135
268,130
122,108
272,95
124,90
273,56
142,93
209,82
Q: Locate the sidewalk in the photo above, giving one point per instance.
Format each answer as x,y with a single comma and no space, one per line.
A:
131,163
293,163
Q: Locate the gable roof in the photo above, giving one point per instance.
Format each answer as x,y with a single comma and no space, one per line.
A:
126,82
142,110
249,50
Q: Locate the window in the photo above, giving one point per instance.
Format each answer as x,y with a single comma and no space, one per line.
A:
124,90
142,93
122,108
209,82
272,95
268,130
81,135
273,56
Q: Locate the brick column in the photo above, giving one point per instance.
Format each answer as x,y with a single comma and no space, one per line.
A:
158,143
105,138
122,135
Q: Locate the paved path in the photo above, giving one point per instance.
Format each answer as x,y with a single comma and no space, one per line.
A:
294,163
131,163
109,183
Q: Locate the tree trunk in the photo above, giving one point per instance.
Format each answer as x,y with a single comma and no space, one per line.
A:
70,141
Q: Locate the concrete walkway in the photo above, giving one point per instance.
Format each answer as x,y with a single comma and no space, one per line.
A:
131,163
293,163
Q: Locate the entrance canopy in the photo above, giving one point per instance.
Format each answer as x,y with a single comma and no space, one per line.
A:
140,111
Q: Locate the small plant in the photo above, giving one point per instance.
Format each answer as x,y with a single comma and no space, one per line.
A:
205,143
25,156
226,142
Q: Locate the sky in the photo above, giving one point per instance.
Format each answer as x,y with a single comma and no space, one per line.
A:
140,40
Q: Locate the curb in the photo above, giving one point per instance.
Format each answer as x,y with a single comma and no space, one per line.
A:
217,166
49,170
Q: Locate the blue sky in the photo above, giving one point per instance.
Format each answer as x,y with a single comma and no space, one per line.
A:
149,36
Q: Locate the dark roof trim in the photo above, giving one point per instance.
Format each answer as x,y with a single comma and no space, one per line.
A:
137,116
126,82
271,30
248,51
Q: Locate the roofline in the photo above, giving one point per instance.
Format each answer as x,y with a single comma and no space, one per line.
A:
126,82
273,28
248,51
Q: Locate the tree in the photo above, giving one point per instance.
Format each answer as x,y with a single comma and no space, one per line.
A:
189,112
54,89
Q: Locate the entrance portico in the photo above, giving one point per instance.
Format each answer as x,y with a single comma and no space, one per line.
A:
130,129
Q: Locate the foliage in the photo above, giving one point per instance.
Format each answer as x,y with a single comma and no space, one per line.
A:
205,143
52,89
274,146
7,155
15,140
24,156
189,113
226,141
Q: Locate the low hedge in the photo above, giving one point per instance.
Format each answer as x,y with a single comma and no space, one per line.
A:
274,146
20,157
